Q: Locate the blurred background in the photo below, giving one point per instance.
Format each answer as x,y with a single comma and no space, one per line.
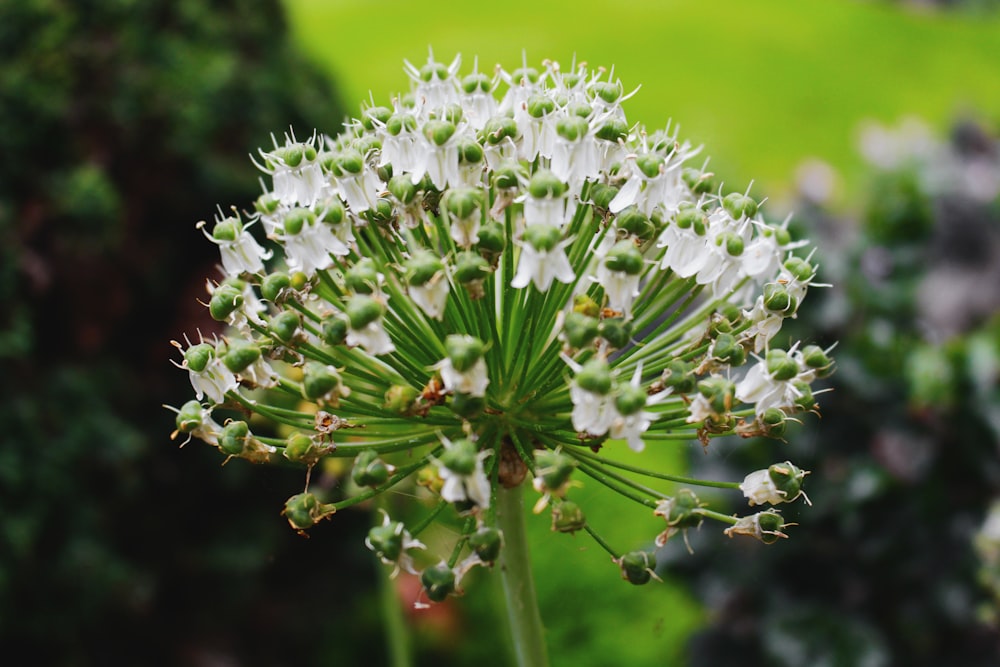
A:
124,122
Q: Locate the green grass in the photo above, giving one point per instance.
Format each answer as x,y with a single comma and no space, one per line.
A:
763,84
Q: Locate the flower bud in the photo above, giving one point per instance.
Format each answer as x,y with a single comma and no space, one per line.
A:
800,269
362,278
595,377
524,75
438,131
778,300
486,543
739,205
614,130
637,567
225,300
624,257
320,381
228,229
402,187
470,153
804,399
650,164
492,238
545,184
477,82
580,330
381,213
438,581
567,517
349,162
497,129
333,329
296,219
617,331
540,105
374,116
369,469
815,358
572,128
732,242
240,355
197,357
398,123
636,223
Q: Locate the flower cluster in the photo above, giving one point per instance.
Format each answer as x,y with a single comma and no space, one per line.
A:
494,276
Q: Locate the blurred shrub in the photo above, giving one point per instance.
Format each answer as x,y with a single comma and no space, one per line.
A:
122,123
881,570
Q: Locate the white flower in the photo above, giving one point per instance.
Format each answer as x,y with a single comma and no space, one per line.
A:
391,542
372,337
461,469
432,296
473,381
309,247
759,489
239,251
593,413
214,381
543,259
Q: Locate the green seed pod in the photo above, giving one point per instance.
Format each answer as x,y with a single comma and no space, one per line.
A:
542,237
545,184
595,377
233,440
470,267
683,510
319,380
805,399
350,162
787,478
438,582
492,238
773,422
303,511
624,257
333,329
732,242
470,152
636,222
240,355
679,375
363,310
362,278
739,205
464,203
299,280
421,268
613,130
486,543
402,187
553,469
189,417
770,523
690,218
374,116
650,164
274,286
602,194
476,82
369,469
387,540
780,366
580,330
719,391
452,113
266,204
567,517
630,399
497,129
367,145
381,213
225,300
467,406
572,128
460,458
285,325
463,351
227,230
617,331
438,131
197,357
800,269
606,90
699,183
540,105
728,350
298,448
818,360
637,567
778,300
398,123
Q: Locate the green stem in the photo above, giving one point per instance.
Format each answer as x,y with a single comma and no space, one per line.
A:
518,585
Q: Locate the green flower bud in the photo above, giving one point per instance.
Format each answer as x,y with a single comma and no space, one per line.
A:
285,325
333,329
739,205
463,351
630,399
299,280
580,110
438,582
333,212
366,145
572,128
470,267
637,567
319,380
467,406
553,469
234,437
650,164
800,269
438,131
540,105
362,278
464,202
595,377
773,422
580,330
432,71
189,417
369,469
614,130
542,237
805,399
780,366
636,222
567,517
492,238
197,357
240,355
699,183
625,258
545,184
265,204
225,300
617,331
274,286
